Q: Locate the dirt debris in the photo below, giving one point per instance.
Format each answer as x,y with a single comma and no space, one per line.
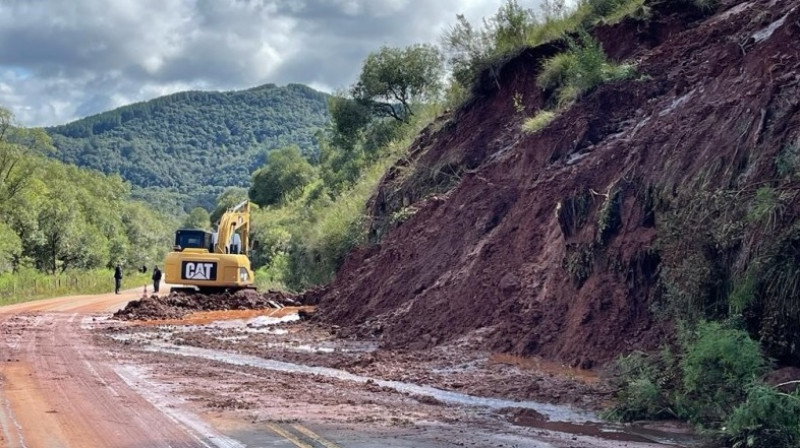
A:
178,304
489,257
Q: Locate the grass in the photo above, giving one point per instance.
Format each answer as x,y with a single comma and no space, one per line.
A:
580,69
538,122
29,284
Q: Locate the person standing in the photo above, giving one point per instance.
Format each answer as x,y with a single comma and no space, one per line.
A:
117,279
156,279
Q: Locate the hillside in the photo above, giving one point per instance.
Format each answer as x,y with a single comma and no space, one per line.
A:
675,194
183,149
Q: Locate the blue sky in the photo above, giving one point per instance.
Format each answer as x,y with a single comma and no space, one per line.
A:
65,59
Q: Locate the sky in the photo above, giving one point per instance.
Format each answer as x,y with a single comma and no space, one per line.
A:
61,60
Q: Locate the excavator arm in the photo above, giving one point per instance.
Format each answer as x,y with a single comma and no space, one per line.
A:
234,220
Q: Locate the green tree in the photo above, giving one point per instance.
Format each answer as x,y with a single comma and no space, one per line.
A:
471,50
198,219
16,169
349,118
10,247
228,199
392,79
286,172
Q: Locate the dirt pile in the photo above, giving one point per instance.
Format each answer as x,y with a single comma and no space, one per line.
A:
546,243
178,305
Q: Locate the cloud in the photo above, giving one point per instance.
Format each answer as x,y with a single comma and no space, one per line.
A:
62,60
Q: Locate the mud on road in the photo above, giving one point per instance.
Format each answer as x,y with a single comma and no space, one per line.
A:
268,366
71,375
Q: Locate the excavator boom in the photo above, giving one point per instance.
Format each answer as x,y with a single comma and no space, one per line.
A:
213,261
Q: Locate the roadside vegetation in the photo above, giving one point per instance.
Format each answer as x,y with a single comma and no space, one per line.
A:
713,380
312,209
29,284
59,223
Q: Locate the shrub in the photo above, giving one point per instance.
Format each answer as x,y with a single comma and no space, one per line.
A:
581,68
767,419
718,365
538,121
643,382
609,219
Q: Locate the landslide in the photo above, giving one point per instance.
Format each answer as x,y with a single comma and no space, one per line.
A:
179,304
574,242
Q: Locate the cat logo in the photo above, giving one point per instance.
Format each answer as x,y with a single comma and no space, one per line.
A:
199,270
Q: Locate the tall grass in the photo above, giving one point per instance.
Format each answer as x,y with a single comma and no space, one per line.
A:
538,121
581,68
29,284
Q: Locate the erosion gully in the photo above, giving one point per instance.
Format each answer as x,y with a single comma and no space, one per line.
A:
70,376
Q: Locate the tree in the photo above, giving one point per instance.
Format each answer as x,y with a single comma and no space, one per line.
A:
348,118
286,172
471,50
229,198
399,75
198,219
16,144
10,247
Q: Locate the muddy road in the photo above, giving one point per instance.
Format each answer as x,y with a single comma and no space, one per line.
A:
70,376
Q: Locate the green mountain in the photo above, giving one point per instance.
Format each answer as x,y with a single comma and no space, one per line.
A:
182,150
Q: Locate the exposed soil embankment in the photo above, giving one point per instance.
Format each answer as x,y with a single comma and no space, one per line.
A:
547,243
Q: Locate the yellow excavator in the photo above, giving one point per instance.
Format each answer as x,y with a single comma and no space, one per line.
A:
213,262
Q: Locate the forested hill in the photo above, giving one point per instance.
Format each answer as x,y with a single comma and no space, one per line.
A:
183,149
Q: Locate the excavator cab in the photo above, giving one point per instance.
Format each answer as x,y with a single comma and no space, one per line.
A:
193,239
213,262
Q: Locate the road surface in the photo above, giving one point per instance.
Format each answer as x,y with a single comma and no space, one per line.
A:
59,387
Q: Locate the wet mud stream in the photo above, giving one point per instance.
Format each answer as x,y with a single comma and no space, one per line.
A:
520,413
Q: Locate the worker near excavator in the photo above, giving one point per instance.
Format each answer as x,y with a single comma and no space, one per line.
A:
117,279
156,279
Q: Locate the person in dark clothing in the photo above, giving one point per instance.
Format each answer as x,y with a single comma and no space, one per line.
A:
156,279
117,279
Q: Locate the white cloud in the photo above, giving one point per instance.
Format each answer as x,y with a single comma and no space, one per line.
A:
61,60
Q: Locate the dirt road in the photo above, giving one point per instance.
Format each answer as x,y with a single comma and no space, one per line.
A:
70,377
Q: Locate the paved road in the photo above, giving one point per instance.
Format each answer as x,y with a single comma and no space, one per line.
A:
58,388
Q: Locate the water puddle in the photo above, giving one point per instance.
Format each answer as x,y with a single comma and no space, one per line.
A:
259,324
607,431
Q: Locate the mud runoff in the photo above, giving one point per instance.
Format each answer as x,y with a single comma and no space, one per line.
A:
268,365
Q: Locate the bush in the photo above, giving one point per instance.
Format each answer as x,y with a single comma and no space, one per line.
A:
538,121
643,382
767,419
471,50
581,68
718,365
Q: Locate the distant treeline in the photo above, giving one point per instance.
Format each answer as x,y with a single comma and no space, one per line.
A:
183,149
56,217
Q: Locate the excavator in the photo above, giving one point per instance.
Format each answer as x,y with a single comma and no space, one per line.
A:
213,262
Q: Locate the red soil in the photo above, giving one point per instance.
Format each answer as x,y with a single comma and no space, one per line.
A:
488,257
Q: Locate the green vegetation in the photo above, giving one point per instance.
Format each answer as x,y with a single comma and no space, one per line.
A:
471,51
312,208
768,418
538,121
286,173
394,78
715,383
181,151
609,218
66,221
29,284
198,218
581,68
